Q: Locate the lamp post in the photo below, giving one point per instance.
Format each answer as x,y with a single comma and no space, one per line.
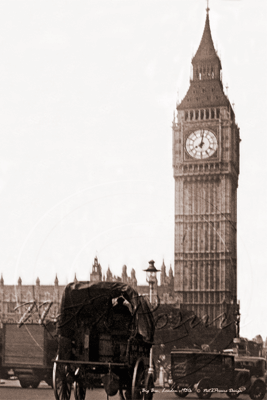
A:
236,339
237,320
151,278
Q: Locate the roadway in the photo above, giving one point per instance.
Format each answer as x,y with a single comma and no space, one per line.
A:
11,390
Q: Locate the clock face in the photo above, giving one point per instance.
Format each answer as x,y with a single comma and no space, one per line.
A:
201,144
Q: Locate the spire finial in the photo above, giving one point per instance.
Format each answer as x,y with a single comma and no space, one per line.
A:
207,9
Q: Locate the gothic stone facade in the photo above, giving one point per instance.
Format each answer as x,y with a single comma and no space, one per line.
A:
206,169
19,296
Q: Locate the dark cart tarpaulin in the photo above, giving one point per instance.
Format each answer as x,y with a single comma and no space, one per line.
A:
91,303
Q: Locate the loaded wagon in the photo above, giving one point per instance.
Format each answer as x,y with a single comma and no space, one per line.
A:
28,351
105,330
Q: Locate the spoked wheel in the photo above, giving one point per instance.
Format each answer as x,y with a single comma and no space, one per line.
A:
61,382
149,386
79,390
138,382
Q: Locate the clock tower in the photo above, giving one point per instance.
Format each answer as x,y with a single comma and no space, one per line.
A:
206,169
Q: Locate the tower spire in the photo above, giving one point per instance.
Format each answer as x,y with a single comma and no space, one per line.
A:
206,50
206,88
207,9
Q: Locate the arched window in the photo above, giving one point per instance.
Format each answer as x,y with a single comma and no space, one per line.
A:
200,73
212,73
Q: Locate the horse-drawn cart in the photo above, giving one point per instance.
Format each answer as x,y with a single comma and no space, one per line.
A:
104,330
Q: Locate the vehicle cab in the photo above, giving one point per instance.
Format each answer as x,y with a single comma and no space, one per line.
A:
256,365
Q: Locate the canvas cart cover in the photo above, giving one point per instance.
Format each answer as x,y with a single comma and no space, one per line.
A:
91,303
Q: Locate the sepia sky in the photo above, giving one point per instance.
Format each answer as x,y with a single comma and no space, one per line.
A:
87,91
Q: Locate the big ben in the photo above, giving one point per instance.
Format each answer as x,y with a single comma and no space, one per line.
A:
206,170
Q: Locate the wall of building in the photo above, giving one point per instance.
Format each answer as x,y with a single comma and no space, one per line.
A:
15,299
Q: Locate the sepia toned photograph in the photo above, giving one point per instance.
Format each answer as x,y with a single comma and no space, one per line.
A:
133,199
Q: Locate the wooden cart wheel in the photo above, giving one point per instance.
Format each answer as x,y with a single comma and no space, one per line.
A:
79,390
138,382
149,386
61,383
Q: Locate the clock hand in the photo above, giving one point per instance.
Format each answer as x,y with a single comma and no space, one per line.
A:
201,143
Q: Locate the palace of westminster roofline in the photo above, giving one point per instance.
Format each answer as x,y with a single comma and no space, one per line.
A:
12,296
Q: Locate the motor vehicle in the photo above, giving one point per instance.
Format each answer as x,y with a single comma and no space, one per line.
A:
28,352
206,372
257,367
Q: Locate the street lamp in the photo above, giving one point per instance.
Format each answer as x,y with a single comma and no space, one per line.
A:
237,320
151,278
